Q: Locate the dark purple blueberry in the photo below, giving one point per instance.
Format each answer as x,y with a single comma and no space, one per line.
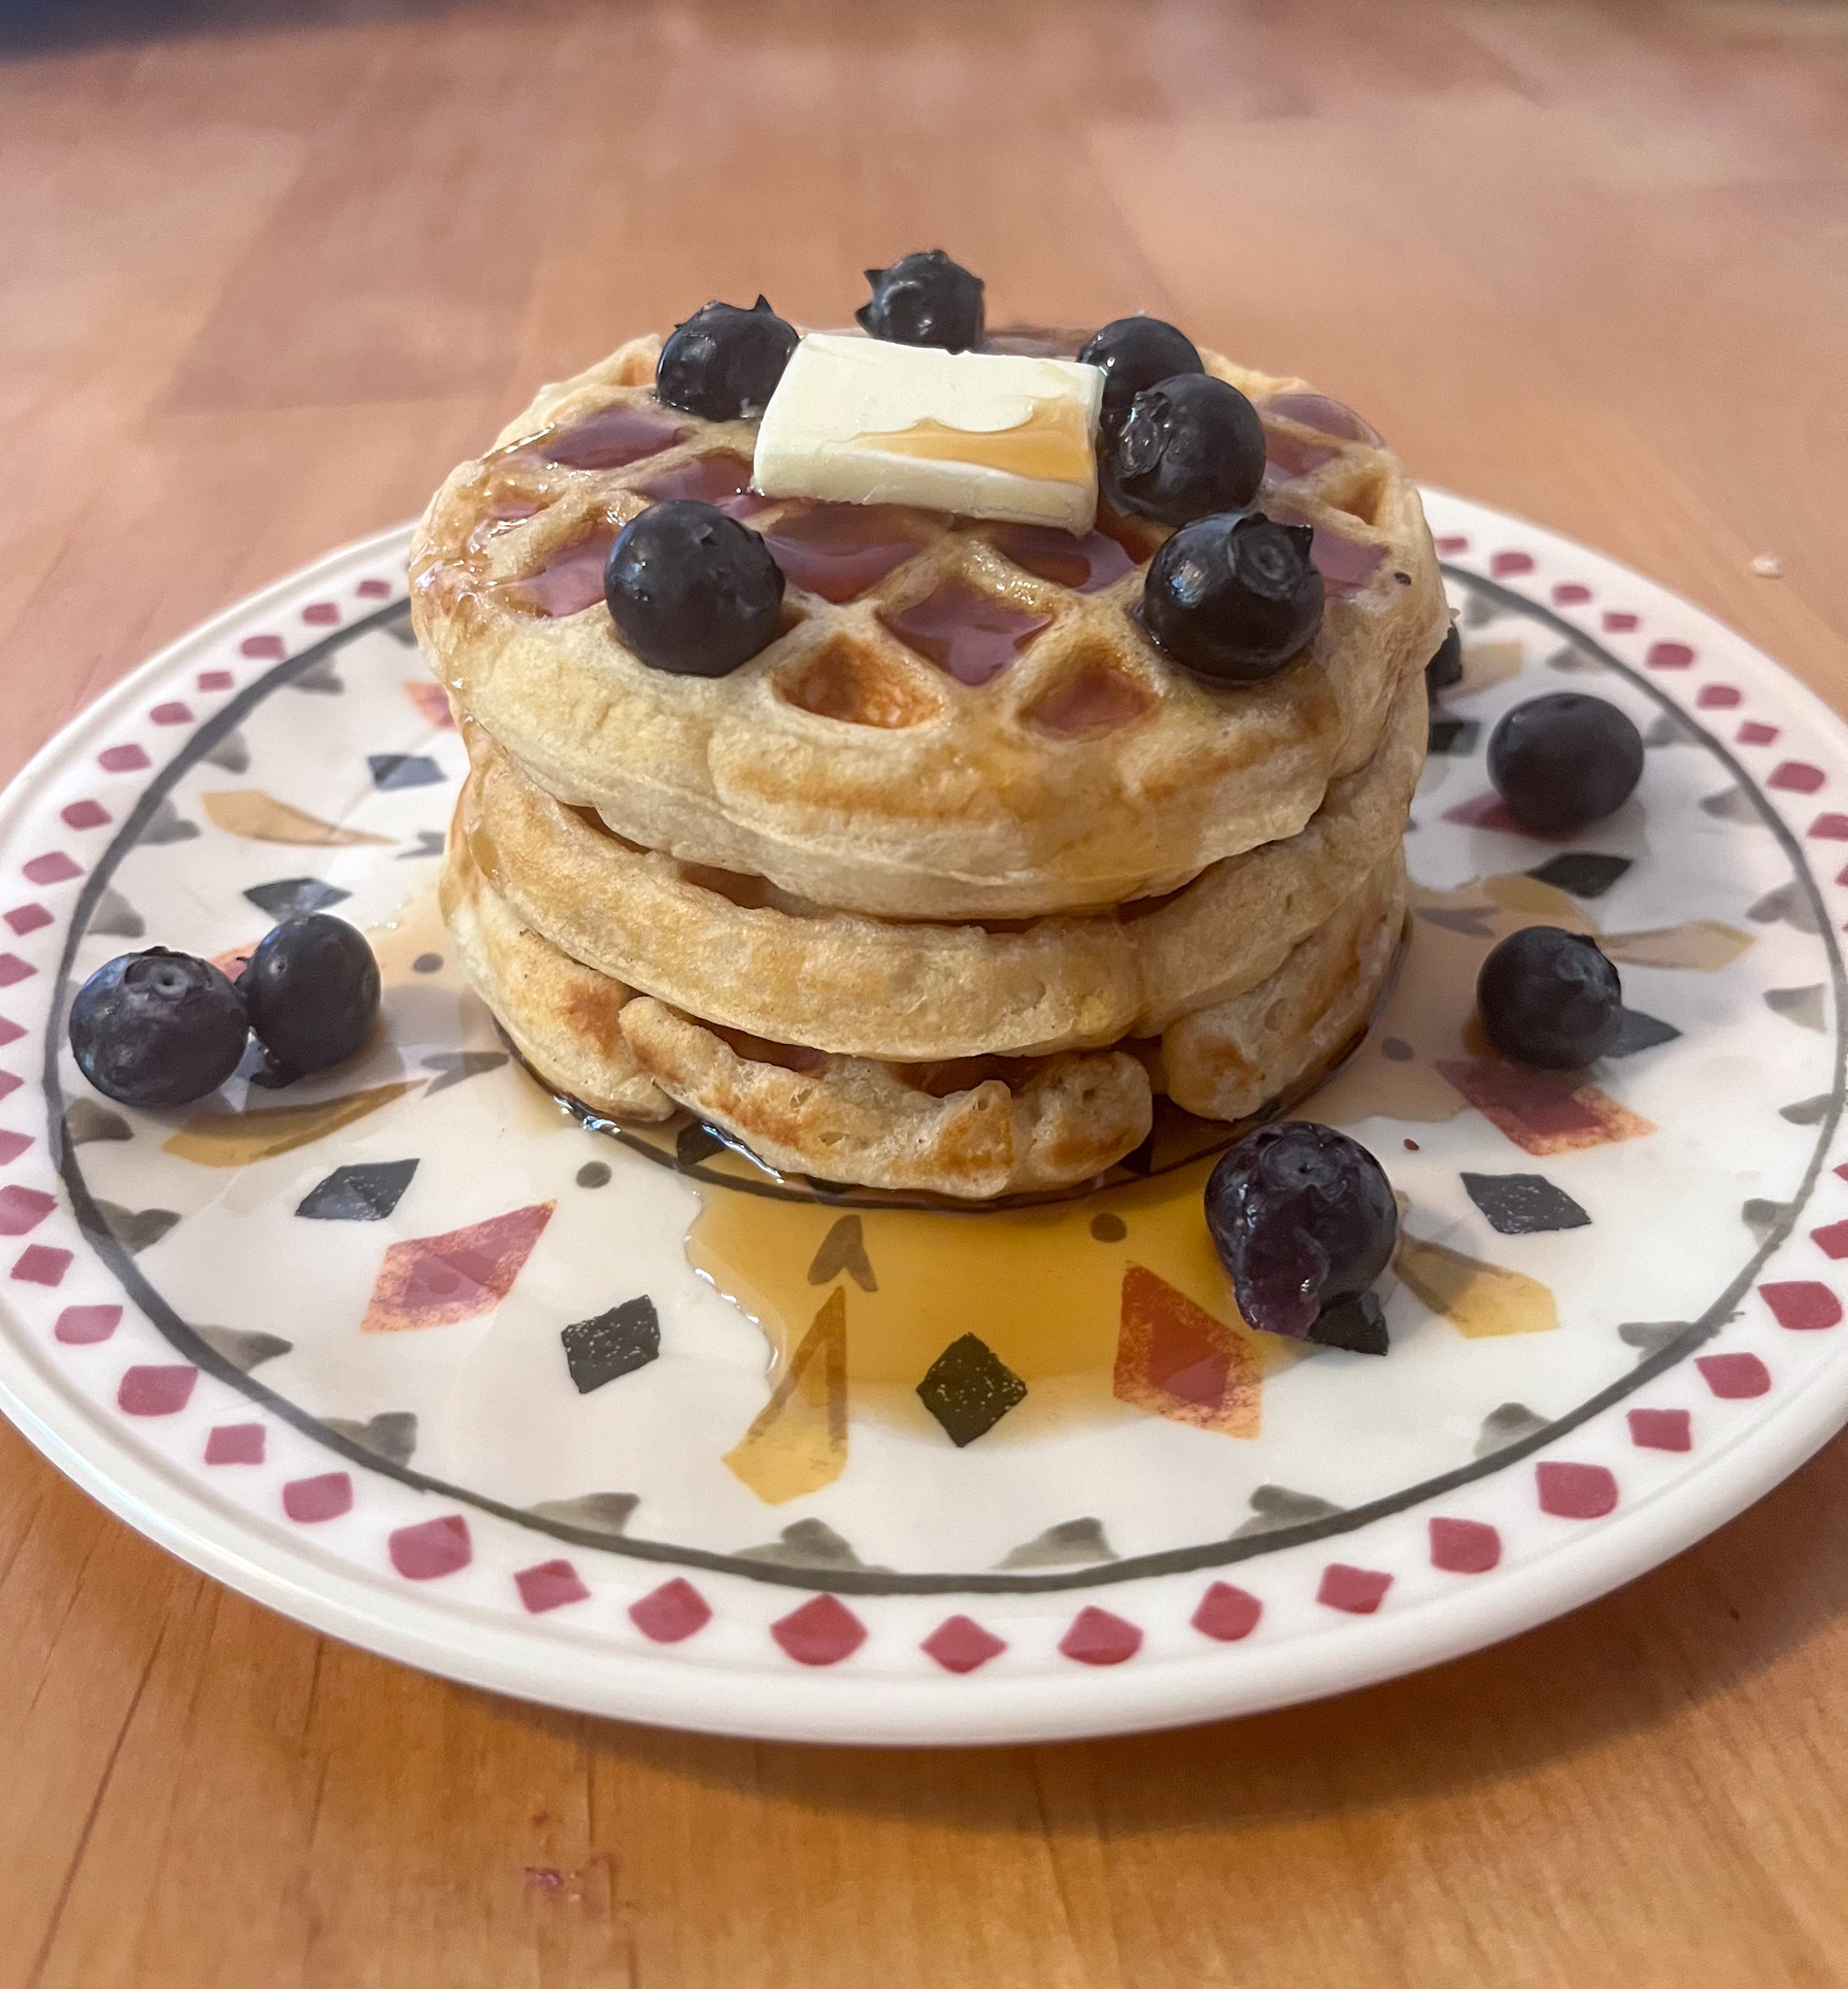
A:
1550,998
158,1028
924,300
1303,1218
1446,666
1134,352
725,361
1190,446
1233,597
691,591
311,988
1563,760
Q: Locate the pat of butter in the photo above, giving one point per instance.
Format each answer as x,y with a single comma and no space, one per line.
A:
859,420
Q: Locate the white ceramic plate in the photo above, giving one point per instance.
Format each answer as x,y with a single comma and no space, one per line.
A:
424,1362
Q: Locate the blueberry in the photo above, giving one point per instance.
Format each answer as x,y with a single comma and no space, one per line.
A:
1190,446
725,361
1135,353
157,1028
1446,666
924,300
1303,1218
1564,760
1550,998
691,591
1233,597
311,988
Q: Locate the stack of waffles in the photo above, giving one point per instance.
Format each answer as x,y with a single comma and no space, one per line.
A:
941,890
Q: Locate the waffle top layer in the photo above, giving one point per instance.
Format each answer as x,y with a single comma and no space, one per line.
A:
958,719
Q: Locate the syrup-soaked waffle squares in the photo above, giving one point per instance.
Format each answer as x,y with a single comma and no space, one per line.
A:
738,951
958,719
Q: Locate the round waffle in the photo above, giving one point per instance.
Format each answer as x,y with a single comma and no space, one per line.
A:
562,1017
1227,1060
843,764
736,952
972,1129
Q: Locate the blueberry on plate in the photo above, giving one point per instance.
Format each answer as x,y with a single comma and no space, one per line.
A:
1563,760
1190,446
924,300
1303,1216
1233,598
158,1028
1135,353
312,989
725,361
691,591
1446,666
1550,998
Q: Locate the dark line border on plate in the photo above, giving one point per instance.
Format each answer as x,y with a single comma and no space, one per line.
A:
869,1581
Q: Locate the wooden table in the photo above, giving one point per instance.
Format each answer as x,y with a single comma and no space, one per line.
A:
266,277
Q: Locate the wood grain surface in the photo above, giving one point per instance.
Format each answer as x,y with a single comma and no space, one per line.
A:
266,271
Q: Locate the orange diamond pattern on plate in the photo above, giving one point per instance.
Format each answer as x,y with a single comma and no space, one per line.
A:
1176,1360
443,1280
1543,1111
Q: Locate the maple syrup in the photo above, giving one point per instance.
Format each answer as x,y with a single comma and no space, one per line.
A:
1327,417
966,634
1052,444
611,439
1095,700
570,581
838,551
722,479
1083,562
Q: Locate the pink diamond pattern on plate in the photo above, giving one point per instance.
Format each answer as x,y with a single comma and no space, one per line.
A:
13,968
1797,777
310,1500
24,1208
84,815
821,1632
432,1548
1227,1614
1662,1428
550,1586
53,867
83,1325
1717,697
39,1263
1575,1491
1802,1305
1465,1546
1619,621
1098,1637
236,1443
152,1391
24,918
1734,1377
960,1645
12,1145
270,647
172,713
1360,1591
1669,655
672,1612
